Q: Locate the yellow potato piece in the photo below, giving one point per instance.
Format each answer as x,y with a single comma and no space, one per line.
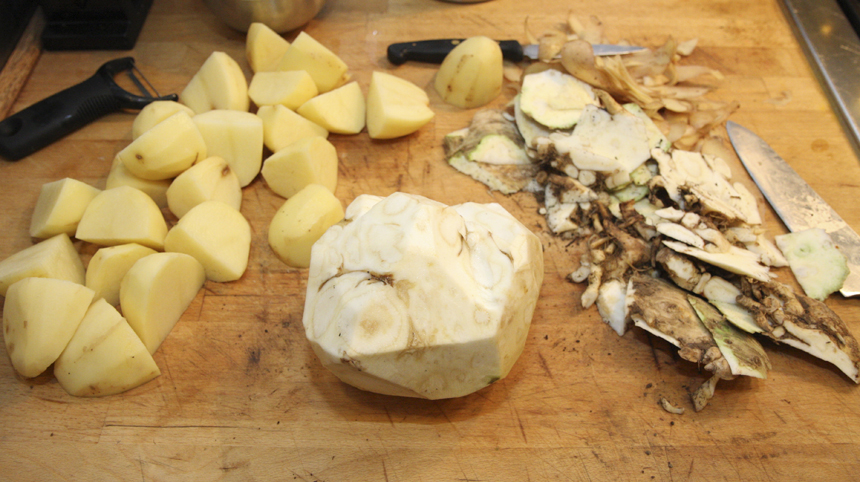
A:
122,215
219,84
108,266
236,137
211,179
104,357
300,222
264,47
119,175
306,53
166,150
282,127
40,315
290,89
395,107
216,235
471,74
54,257
155,293
312,160
155,112
341,110
60,207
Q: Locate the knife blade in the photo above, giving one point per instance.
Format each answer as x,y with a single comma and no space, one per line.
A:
796,203
434,51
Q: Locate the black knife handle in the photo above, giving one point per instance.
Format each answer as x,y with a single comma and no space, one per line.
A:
435,51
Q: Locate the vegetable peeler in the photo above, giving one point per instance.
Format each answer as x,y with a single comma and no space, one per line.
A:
52,118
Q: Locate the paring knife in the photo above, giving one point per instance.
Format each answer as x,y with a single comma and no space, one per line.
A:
797,204
434,51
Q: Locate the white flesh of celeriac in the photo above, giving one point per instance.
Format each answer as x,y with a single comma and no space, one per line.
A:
413,298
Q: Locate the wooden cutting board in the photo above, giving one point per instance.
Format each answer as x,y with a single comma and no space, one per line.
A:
242,396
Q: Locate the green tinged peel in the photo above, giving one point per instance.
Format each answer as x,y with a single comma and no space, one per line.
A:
816,262
744,354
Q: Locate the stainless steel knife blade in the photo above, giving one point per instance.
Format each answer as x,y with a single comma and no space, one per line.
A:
796,203
600,50
435,50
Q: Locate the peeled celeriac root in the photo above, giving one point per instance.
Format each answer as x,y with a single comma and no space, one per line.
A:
290,89
104,357
264,47
300,221
211,179
54,257
216,235
156,291
108,266
236,137
312,160
413,298
40,315
219,84
306,53
395,107
119,175
122,215
155,112
471,74
816,262
282,127
342,110
60,207
166,150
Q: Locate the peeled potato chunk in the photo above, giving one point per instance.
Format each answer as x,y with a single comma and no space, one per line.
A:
471,74
54,257
236,137
341,110
119,175
166,150
305,53
155,293
395,107
104,356
301,220
108,266
211,179
217,236
219,84
282,127
123,215
264,47
40,316
312,160
290,89
155,112
60,207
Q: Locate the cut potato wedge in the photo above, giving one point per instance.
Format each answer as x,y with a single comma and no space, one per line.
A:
211,179
40,316
264,47
54,257
341,110
119,175
471,74
104,356
166,150
123,215
60,207
155,293
290,89
312,160
305,53
108,266
155,112
219,84
282,127
395,107
216,235
301,221
236,137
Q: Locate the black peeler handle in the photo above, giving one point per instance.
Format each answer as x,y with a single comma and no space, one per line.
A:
435,51
67,111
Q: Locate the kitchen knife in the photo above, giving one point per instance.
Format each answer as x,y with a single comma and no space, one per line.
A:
434,51
794,201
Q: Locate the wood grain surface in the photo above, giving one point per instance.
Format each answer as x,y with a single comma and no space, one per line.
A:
242,397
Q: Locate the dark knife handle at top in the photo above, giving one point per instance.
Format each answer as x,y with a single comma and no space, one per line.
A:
435,51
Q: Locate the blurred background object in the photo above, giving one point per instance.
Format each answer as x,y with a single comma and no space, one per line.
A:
93,24
279,15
